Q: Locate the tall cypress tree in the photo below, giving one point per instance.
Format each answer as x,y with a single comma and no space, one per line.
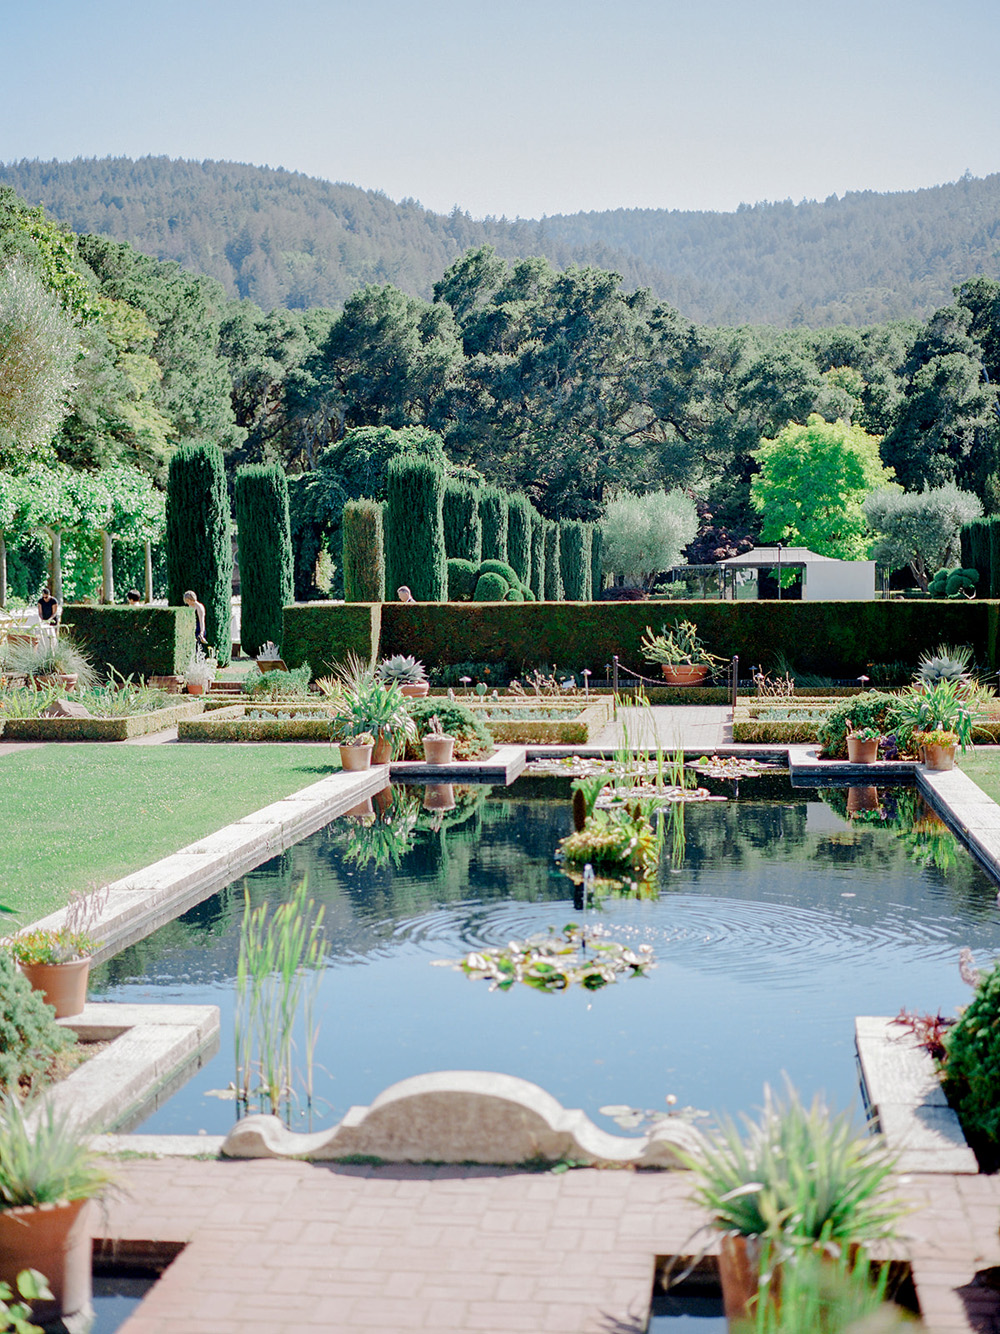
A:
596,560
493,516
264,541
537,555
364,552
553,572
587,537
199,539
414,529
463,533
519,536
571,560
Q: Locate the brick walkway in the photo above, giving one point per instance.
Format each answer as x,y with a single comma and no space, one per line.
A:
286,1247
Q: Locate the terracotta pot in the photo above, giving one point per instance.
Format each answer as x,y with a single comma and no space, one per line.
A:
195,688
362,809
382,753
63,985
438,749
56,1240
861,752
682,674
939,757
861,799
739,1268
416,690
355,758
67,680
439,797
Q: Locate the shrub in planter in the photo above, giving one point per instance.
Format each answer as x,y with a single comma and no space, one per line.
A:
30,1038
472,738
872,709
972,1067
462,576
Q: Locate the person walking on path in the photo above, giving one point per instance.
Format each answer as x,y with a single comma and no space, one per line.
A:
191,600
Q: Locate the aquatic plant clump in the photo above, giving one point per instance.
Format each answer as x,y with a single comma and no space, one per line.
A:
558,960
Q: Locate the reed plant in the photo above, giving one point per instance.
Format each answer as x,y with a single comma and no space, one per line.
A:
277,979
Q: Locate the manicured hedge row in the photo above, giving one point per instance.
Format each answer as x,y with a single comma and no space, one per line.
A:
832,638
135,641
232,725
322,633
99,729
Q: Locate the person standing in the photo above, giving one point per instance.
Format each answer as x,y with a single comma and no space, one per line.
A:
49,612
191,600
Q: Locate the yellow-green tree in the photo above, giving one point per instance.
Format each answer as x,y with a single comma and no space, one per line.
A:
812,484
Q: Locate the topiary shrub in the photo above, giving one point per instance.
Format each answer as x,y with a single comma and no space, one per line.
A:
462,575
571,560
972,1066
954,583
463,533
30,1038
872,709
364,551
473,739
537,555
491,588
513,595
502,569
260,497
527,594
553,587
493,517
414,529
198,539
519,536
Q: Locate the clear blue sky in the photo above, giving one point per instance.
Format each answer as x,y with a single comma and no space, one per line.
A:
520,107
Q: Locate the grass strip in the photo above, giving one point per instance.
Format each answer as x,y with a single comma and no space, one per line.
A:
81,815
983,767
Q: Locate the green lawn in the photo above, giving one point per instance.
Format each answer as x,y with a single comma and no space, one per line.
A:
80,815
983,767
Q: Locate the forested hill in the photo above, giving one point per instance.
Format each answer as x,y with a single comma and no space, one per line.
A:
284,239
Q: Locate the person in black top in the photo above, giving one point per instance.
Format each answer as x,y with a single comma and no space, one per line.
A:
48,615
191,600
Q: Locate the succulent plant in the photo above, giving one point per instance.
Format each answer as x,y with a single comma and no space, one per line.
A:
403,669
946,663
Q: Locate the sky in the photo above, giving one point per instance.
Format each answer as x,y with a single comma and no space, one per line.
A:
519,108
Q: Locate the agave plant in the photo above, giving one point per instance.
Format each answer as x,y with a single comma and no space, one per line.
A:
402,668
946,663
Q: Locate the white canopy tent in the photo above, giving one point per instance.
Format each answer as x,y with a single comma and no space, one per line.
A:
824,578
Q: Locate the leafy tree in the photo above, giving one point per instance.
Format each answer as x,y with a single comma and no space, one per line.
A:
644,535
920,528
198,539
260,497
812,485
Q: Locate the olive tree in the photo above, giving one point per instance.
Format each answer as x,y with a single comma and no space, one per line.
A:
38,349
919,528
642,535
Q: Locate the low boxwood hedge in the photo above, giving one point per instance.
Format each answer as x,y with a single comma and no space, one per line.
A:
135,641
100,729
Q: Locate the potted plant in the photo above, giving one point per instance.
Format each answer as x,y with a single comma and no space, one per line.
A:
269,658
799,1179
55,661
862,744
200,673
407,672
438,747
48,1174
356,752
682,656
937,747
945,711
56,963
364,704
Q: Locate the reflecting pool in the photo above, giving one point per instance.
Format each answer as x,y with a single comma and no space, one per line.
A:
779,916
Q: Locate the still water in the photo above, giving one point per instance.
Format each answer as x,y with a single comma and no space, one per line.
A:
784,916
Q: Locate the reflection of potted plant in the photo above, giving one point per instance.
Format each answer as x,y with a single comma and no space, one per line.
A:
356,752
682,656
439,797
862,744
438,747
200,673
48,1173
409,674
799,1179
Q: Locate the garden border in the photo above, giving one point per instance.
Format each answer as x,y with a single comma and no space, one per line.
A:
99,729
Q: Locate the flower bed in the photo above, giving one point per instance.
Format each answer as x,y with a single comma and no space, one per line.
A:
99,729
259,722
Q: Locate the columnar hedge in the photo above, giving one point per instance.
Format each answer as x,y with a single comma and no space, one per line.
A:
364,552
537,583
493,517
463,532
199,539
571,560
587,536
519,510
264,539
553,569
136,641
980,551
596,560
414,529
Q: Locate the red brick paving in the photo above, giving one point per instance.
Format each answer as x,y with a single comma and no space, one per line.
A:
288,1247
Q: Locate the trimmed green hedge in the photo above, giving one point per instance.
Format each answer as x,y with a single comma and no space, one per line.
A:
463,533
553,585
199,539
363,551
264,541
519,536
493,517
101,729
537,555
135,641
414,529
323,633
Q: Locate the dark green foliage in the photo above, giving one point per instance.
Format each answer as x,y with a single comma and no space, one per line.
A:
493,517
414,529
198,539
975,553
537,555
527,594
462,575
519,527
136,641
574,562
30,1038
513,595
586,535
463,533
994,541
260,496
364,551
972,1065
953,583
491,588
872,709
596,560
472,738
129,568
553,591
324,633
501,568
